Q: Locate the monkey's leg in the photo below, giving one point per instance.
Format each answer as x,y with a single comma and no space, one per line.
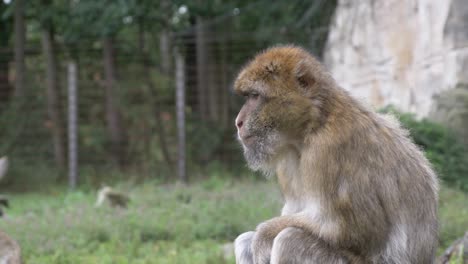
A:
294,246
243,249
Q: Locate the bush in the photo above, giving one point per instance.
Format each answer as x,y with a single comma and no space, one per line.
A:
446,153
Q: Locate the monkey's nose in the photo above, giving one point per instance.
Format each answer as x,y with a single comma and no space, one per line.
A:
239,124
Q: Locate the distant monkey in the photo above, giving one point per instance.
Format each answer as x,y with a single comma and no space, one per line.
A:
115,198
10,252
356,189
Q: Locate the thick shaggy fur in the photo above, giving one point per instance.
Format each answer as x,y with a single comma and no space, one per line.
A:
356,189
10,252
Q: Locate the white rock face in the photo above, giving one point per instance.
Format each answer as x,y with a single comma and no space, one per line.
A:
399,52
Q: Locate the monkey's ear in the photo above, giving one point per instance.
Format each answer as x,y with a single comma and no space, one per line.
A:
304,74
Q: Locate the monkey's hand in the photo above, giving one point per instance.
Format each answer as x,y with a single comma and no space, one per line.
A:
262,242
266,232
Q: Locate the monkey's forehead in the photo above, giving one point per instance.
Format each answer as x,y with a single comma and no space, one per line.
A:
276,60
246,86
260,81
272,64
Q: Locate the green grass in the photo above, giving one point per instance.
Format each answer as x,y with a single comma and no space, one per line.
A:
453,215
163,224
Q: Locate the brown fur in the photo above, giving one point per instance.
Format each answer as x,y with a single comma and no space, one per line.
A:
356,189
10,252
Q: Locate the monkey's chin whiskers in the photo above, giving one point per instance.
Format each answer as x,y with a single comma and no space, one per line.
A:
260,162
267,170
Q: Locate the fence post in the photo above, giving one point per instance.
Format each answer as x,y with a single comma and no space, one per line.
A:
180,110
72,125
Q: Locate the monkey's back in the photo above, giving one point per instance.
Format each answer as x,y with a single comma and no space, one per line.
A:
412,211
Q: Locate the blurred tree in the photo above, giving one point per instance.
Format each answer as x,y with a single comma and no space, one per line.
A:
209,62
125,47
113,115
5,53
20,39
165,36
145,17
91,20
54,106
203,87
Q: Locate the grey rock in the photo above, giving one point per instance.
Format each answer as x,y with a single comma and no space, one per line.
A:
399,52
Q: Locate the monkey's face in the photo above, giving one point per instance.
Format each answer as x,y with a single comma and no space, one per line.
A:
256,131
278,107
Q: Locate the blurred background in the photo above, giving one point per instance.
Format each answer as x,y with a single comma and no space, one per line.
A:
137,95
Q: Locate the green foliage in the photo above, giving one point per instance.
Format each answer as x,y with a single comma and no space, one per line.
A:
78,28
95,19
25,135
302,22
446,153
453,216
205,139
6,20
164,223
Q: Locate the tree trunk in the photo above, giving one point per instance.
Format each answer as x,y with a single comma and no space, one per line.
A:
5,87
212,82
157,107
224,90
180,111
72,124
165,51
54,108
207,71
164,37
5,56
113,116
201,70
20,32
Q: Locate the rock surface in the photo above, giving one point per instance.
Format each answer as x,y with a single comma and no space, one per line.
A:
399,52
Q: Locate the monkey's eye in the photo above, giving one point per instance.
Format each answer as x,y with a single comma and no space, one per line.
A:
252,95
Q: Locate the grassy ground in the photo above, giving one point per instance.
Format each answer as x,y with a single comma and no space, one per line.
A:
163,224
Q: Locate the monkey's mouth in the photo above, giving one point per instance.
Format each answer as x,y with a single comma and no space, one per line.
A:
246,139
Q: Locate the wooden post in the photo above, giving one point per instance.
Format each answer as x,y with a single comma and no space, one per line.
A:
72,125
180,110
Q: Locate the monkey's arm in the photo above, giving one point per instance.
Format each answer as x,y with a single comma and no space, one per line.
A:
267,231
302,220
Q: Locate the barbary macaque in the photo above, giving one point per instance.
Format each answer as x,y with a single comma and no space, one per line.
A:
10,252
356,189
114,198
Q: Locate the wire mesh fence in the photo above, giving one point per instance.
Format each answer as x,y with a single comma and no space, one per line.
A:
125,101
